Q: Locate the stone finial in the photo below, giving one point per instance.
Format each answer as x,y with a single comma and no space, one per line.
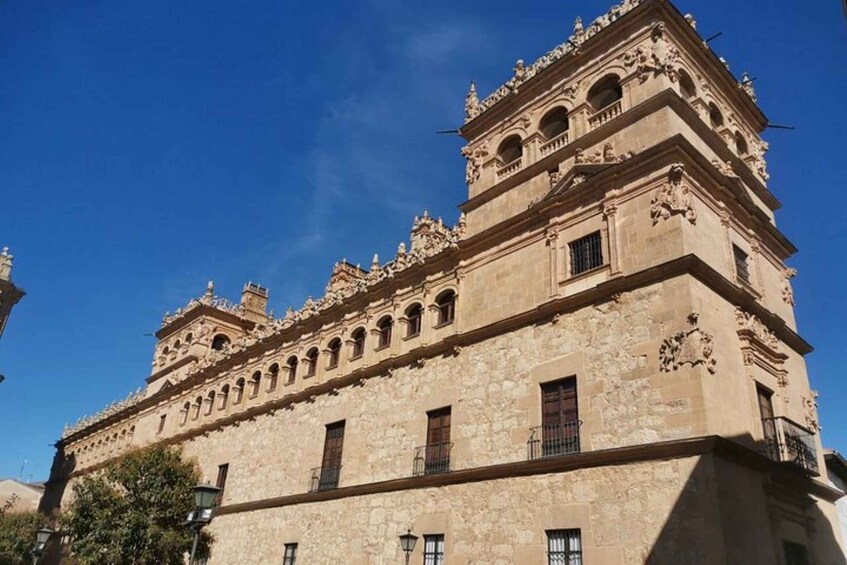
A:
375,263
577,26
520,70
401,249
6,264
746,84
692,21
472,108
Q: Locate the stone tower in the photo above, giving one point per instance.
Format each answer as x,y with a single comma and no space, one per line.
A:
597,364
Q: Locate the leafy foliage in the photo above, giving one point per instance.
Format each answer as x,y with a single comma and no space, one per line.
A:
133,513
17,535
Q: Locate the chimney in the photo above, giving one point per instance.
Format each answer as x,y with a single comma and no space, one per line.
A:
254,303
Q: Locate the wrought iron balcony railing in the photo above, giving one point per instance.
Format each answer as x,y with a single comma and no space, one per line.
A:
433,458
553,440
324,478
790,442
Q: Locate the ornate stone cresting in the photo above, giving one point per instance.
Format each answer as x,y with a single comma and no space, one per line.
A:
673,197
523,72
475,157
746,84
692,347
208,299
131,400
660,57
787,290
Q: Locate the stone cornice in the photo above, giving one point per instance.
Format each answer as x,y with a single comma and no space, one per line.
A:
689,264
675,449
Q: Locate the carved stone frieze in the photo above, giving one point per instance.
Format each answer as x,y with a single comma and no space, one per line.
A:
725,168
474,165
750,325
673,197
688,347
760,148
810,408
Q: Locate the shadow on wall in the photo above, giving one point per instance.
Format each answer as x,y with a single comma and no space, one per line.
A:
741,507
57,484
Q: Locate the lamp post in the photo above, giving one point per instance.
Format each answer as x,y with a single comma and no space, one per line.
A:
204,504
42,536
407,542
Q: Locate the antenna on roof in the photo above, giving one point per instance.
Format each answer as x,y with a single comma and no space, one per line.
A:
717,35
448,131
777,126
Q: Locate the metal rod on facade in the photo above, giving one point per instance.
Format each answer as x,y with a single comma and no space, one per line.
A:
194,546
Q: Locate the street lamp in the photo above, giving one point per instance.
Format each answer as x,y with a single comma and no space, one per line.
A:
204,503
407,542
42,536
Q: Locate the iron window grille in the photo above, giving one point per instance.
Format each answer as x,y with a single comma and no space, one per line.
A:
564,547
434,549
742,270
290,557
223,471
586,253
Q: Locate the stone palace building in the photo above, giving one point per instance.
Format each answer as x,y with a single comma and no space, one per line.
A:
598,364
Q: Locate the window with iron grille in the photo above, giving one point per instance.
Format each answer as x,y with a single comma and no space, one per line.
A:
564,547
434,549
741,269
586,253
223,471
290,557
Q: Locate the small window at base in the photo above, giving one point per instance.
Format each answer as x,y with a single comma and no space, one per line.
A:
564,547
290,557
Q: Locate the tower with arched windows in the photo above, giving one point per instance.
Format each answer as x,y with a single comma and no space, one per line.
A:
598,363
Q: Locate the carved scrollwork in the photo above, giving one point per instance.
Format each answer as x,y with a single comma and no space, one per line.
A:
660,57
692,347
787,290
810,407
673,197
474,165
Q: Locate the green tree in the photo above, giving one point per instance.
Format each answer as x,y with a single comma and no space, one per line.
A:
133,513
17,534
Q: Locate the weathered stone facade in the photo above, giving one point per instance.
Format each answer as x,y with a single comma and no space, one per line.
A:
629,249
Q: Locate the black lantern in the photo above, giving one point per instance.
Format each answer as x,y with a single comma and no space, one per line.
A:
204,502
407,542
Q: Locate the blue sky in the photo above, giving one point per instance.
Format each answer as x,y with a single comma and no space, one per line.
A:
148,147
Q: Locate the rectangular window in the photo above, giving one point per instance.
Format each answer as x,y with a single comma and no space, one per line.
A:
741,268
586,253
434,549
290,557
162,420
437,458
564,547
223,470
559,418
765,400
331,463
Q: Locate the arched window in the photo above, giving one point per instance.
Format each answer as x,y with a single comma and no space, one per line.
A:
358,337
715,116
384,326
605,92
189,337
183,414
255,384
554,123
686,85
446,303
219,342
177,345
291,366
224,396
166,350
210,402
312,362
414,317
273,376
198,402
238,393
740,144
510,149
334,350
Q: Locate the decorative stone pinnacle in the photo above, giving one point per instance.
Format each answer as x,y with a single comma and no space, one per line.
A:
472,108
577,26
375,262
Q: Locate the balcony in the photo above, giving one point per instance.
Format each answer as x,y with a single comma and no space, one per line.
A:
324,478
788,442
605,115
509,169
554,144
553,440
432,459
